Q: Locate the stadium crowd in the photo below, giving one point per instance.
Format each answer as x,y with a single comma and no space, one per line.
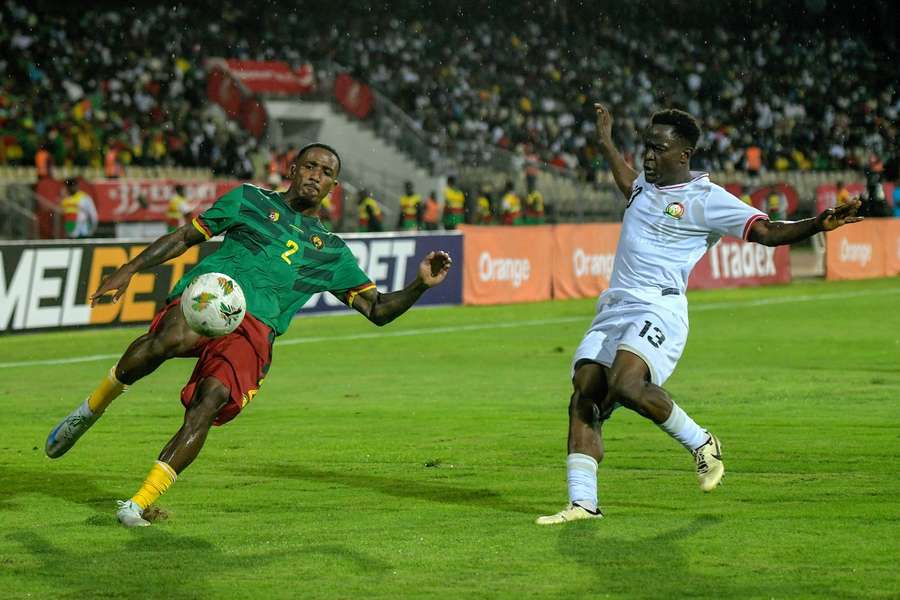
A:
133,80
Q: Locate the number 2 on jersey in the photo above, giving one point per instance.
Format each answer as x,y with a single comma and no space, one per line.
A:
656,339
292,247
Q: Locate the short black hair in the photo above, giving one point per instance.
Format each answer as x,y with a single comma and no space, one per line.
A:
303,150
685,126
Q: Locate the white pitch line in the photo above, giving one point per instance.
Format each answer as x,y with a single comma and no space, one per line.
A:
483,326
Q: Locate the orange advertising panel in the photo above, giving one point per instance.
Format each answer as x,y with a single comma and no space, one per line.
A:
855,251
583,258
890,239
507,264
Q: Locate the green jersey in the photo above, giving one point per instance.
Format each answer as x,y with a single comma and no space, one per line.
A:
279,257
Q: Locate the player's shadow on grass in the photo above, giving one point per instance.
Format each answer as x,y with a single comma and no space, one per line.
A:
657,564
78,488
400,488
146,565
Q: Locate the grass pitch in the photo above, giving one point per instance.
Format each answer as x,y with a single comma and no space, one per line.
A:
411,461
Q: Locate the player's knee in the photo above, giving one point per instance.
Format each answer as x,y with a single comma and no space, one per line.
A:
625,390
582,407
211,396
160,346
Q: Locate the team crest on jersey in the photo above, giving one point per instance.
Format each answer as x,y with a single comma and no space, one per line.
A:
675,210
274,216
317,242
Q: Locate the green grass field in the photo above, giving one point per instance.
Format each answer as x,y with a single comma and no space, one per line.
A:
411,461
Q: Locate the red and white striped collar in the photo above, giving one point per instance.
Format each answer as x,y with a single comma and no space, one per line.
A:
675,186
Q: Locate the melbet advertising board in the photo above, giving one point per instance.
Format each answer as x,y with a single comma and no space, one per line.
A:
45,286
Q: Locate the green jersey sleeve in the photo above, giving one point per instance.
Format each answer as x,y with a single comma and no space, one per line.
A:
349,280
222,214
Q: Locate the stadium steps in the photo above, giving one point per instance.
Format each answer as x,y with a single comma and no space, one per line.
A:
368,161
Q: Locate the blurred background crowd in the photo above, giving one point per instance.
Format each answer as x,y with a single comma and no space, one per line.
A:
795,94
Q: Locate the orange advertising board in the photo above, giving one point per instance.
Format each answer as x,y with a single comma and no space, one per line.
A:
507,264
583,258
856,251
890,239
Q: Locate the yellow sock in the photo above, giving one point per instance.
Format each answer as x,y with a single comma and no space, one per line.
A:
108,390
159,479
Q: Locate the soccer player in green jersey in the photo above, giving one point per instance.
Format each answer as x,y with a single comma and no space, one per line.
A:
276,248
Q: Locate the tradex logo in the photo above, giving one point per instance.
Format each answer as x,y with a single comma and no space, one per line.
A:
734,260
515,270
594,265
856,253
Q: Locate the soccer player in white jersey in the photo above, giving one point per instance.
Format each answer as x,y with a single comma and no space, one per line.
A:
672,217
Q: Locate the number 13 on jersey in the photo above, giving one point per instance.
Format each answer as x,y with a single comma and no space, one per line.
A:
656,338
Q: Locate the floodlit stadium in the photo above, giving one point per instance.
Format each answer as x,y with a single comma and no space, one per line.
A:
377,301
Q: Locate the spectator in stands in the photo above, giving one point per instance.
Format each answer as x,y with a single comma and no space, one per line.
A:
179,209
454,204
842,194
534,205
79,212
776,204
878,206
753,161
746,197
485,212
511,205
410,218
431,215
43,163
370,215
112,166
896,195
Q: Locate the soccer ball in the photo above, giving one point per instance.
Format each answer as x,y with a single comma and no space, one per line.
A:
213,304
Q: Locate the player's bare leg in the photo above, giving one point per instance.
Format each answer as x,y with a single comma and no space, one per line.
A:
179,452
585,446
171,338
630,386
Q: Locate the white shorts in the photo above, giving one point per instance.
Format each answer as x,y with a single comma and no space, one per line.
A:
652,326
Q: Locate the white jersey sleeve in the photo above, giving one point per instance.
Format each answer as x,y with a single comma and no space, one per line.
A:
726,215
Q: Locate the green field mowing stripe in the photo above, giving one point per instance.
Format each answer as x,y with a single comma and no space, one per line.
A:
413,464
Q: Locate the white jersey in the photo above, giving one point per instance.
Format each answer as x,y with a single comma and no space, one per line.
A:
667,229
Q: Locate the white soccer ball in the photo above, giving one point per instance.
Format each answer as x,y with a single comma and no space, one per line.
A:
213,304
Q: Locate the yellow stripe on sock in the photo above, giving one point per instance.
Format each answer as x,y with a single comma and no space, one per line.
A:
159,479
108,390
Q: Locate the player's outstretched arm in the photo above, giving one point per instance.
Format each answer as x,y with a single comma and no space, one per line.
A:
778,233
165,248
622,171
381,309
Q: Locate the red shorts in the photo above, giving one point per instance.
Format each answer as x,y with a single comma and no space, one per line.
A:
240,360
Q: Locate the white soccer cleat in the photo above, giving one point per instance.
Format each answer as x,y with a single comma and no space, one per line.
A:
64,435
129,514
710,467
572,512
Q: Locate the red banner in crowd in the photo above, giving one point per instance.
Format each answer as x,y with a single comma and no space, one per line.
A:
222,89
583,258
269,77
356,98
121,200
254,117
736,263
788,198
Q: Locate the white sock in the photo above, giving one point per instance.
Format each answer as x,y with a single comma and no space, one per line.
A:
683,428
581,475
